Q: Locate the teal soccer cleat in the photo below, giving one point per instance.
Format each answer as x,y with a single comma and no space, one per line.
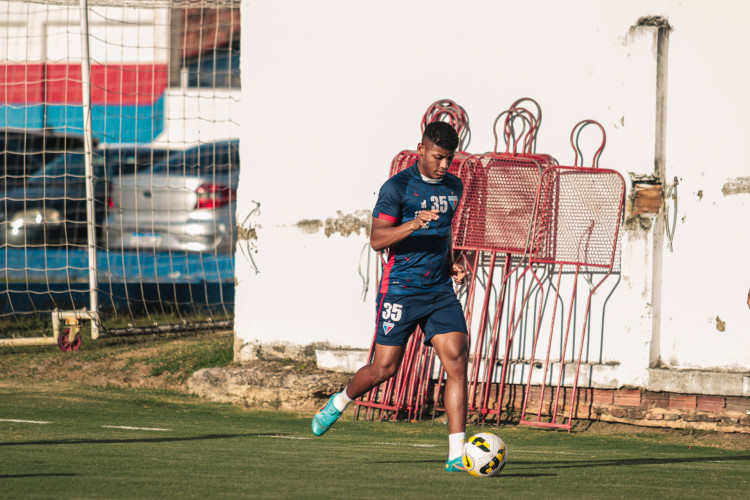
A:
324,419
455,465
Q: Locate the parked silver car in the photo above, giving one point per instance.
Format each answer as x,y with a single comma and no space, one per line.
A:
186,203
50,209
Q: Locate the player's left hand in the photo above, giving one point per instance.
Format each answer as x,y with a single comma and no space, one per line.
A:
459,274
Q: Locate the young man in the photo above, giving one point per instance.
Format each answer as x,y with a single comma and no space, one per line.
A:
412,219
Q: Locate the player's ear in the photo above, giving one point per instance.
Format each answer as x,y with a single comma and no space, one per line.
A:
420,149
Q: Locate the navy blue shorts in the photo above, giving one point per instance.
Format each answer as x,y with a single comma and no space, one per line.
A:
435,312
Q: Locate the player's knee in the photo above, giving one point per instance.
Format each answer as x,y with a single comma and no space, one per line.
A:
457,369
455,365
385,371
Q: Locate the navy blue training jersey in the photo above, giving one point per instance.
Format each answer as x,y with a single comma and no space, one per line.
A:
419,262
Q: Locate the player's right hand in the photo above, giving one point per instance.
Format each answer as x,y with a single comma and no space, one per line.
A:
424,217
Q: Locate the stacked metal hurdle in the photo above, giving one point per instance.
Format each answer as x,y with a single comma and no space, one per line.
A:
523,221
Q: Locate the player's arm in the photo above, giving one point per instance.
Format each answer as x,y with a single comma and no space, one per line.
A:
385,233
457,271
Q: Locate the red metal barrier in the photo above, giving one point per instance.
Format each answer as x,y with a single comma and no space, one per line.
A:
523,222
581,211
494,227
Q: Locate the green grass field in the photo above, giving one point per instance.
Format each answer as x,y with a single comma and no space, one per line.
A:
183,447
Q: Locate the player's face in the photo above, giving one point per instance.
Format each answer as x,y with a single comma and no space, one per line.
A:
434,161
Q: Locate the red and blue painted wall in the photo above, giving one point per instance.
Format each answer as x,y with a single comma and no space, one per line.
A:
127,100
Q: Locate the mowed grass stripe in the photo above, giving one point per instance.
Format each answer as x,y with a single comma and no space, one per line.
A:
221,451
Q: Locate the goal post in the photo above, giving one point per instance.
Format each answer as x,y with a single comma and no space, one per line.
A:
118,166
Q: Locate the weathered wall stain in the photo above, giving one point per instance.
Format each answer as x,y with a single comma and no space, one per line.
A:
246,228
638,223
346,224
736,186
310,226
657,21
246,233
646,198
645,201
720,325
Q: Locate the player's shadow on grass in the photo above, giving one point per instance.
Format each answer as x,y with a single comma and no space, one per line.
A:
441,462
626,462
134,440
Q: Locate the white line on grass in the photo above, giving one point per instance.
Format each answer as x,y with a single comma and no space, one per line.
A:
277,436
24,421
413,445
129,428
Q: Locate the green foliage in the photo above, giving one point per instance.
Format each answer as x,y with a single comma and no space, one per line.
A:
125,359
298,365
188,359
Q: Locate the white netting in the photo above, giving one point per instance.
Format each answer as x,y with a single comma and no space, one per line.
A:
164,87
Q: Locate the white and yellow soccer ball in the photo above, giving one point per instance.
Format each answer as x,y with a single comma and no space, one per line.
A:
485,455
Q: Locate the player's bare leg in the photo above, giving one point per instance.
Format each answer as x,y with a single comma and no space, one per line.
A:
452,349
385,363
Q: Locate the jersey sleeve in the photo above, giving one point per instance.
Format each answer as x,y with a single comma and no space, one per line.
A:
388,206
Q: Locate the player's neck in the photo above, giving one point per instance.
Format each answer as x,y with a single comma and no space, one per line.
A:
430,180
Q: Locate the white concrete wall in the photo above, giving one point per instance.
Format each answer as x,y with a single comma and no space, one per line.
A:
333,90
708,274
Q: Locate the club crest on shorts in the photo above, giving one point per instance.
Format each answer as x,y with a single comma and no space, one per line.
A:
453,199
387,327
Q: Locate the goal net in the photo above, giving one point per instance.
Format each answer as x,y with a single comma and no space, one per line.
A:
119,162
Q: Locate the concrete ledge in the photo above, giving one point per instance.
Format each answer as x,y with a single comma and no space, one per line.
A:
255,350
267,384
341,360
699,382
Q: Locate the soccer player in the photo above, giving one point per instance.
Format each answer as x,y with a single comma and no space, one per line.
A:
412,219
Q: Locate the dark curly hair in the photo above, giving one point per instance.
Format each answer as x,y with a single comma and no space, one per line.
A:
441,134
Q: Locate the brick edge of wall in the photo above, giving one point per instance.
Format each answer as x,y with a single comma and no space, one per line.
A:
640,407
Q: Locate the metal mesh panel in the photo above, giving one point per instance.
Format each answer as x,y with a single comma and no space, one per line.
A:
402,161
406,159
497,209
579,217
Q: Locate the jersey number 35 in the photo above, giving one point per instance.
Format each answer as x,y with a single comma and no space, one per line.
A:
391,311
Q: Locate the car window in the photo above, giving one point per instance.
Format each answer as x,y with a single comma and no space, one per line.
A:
17,164
27,151
125,162
230,159
219,157
70,164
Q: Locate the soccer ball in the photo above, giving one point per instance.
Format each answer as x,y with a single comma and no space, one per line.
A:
484,455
